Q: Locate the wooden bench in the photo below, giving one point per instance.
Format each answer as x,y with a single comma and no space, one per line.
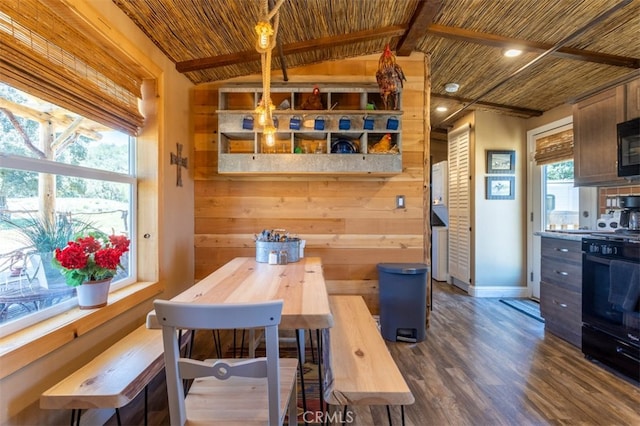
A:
360,369
112,379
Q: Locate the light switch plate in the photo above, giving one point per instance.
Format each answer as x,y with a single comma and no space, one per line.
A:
400,202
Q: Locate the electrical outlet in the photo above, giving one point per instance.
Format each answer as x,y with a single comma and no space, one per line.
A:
400,202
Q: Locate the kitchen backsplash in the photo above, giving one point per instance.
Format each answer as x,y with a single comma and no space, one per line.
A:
607,196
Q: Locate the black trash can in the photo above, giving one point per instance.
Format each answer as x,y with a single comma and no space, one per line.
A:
403,301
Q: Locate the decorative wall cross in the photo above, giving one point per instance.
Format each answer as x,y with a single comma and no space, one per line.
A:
180,162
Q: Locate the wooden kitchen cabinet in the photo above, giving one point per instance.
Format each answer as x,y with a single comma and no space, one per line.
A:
351,114
561,288
633,99
595,138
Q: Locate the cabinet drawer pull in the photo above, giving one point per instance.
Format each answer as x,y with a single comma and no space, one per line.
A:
562,305
563,273
563,250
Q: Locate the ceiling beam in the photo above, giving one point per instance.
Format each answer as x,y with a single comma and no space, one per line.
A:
421,23
493,40
421,19
511,110
571,37
291,48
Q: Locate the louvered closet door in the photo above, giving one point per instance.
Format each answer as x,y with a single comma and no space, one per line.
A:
459,206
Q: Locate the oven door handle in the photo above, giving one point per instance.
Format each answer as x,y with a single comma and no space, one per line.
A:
597,259
624,353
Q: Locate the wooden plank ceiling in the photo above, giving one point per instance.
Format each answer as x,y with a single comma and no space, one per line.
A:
570,46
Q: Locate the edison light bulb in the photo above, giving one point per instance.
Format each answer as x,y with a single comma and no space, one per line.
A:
262,117
264,31
269,135
261,113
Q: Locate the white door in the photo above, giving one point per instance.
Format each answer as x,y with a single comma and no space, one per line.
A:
538,204
459,208
553,202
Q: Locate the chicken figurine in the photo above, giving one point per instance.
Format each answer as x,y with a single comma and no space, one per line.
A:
383,145
389,77
314,101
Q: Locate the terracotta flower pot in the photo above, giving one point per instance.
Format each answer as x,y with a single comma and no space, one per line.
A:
93,294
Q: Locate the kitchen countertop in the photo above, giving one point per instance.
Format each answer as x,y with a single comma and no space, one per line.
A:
572,235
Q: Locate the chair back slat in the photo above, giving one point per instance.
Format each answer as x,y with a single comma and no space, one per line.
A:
191,369
192,316
173,316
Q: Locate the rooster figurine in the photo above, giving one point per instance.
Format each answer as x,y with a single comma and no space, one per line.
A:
383,145
389,77
314,101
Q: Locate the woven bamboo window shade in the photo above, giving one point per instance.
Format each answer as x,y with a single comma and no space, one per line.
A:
554,148
52,57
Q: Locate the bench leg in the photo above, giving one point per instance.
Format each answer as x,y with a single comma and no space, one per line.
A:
401,415
118,417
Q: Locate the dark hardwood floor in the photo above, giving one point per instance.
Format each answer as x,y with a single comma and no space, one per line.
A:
482,363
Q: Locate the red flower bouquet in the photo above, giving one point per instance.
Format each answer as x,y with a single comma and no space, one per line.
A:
91,258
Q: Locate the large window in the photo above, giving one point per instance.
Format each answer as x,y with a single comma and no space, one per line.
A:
59,173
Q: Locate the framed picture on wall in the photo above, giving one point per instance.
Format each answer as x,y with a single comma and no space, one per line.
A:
500,187
501,162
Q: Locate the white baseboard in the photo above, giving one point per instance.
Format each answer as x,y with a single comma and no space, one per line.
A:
460,284
498,291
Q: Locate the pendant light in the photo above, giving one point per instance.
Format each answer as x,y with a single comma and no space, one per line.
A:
265,43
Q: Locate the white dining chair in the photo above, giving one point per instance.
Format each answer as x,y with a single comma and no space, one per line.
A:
234,391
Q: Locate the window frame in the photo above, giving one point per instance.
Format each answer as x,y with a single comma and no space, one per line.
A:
37,165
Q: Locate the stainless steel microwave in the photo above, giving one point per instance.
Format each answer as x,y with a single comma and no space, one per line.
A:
629,148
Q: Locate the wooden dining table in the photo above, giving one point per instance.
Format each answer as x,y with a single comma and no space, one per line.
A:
300,285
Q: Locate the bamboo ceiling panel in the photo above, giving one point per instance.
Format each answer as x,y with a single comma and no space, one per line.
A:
194,29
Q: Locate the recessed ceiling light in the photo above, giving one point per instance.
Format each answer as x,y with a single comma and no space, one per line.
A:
451,87
441,109
512,53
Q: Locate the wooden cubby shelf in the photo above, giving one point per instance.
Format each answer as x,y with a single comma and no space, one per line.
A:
348,135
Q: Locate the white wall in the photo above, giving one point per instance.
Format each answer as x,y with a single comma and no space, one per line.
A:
500,227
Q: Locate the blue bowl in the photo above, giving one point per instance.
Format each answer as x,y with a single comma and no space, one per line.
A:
343,146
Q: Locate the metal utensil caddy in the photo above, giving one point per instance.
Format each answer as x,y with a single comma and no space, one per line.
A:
265,245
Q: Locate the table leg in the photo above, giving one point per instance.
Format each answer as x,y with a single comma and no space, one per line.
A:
320,378
313,351
216,342
301,338
146,404
73,416
300,346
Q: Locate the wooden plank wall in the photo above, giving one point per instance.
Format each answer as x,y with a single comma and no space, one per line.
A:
349,221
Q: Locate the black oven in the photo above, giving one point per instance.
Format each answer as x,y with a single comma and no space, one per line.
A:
610,303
